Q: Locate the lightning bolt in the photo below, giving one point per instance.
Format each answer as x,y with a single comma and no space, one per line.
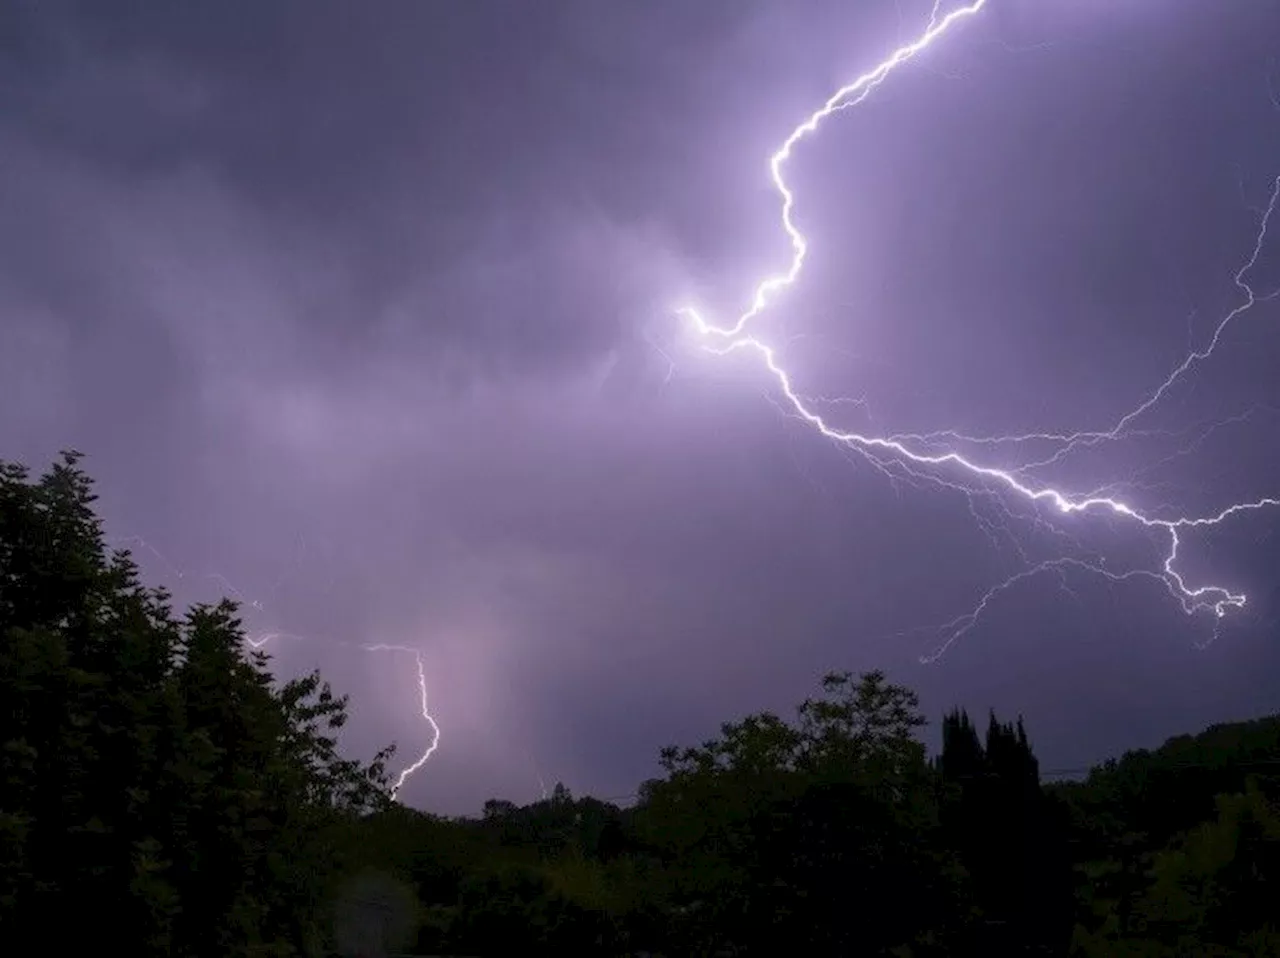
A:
537,773
259,640
934,457
409,770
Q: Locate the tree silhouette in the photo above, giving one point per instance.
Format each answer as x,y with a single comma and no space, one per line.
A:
1008,835
159,791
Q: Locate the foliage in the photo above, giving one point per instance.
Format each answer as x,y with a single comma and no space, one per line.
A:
1178,849
160,788
158,791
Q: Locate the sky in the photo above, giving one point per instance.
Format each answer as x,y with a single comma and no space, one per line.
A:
367,315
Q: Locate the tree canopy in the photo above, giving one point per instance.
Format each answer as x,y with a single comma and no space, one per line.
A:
161,791
159,788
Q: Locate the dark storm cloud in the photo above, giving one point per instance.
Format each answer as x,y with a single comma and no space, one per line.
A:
367,309
348,135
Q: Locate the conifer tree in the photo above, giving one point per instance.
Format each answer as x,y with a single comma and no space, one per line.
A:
158,790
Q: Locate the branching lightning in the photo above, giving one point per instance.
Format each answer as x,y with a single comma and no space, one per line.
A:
258,640
938,457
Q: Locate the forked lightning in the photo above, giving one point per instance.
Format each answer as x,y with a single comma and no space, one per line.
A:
929,456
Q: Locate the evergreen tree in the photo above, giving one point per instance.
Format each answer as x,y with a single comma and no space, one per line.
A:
157,790
962,756
1007,835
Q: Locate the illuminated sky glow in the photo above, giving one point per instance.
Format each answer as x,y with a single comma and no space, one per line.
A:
1213,598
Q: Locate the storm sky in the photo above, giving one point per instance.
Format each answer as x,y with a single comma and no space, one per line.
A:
366,311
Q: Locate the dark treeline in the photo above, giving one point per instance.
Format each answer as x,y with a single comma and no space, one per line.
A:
161,794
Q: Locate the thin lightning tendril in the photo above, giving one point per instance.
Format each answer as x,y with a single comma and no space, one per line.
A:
259,640
409,770
927,457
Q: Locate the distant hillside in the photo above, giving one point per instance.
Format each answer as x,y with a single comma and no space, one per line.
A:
1162,792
